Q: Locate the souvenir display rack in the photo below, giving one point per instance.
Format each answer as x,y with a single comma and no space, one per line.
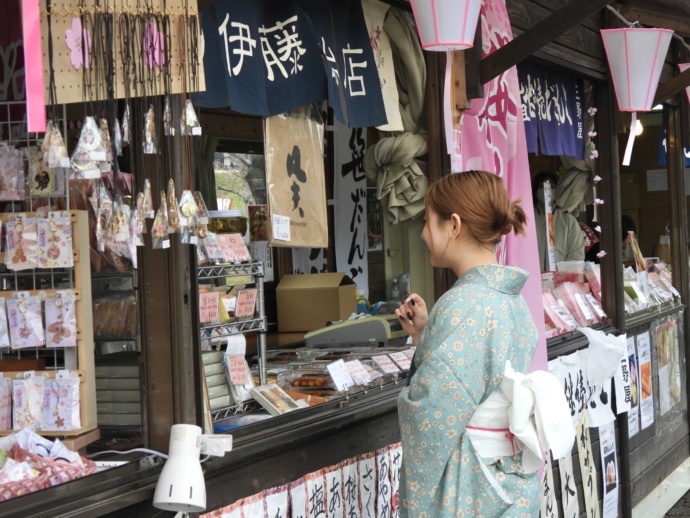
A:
80,358
255,270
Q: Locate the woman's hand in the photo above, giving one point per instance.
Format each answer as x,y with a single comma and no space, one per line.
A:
413,316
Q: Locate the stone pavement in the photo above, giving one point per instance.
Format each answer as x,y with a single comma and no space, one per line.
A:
682,507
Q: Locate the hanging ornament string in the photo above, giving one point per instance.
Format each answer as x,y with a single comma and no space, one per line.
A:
182,49
193,25
87,64
125,26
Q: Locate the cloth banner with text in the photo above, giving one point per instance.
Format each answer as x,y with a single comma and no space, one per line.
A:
552,112
271,57
363,486
295,182
350,214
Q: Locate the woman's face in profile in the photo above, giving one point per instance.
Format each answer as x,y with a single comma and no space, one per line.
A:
436,237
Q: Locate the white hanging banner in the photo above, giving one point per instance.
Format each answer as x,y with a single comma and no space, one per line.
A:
309,260
276,502
298,497
598,396
571,509
350,199
367,485
571,376
609,469
351,497
374,16
253,505
317,502
396,466
587,468
334,486
549,505
634,412
383,497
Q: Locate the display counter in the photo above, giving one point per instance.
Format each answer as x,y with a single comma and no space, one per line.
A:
264,455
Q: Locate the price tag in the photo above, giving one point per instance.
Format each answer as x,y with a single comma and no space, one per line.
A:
385,364
165,244
237,368
193,240
234,249
196,130
358,373
65,163
208,306
246,303
340,375
281,228
99,156
401,360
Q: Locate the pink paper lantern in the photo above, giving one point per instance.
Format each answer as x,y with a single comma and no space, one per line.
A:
683,67
636,57
446,24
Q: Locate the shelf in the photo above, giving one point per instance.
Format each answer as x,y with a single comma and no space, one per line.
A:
232,328
219,271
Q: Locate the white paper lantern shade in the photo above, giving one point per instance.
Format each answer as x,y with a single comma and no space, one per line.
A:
446,24
683,67
636,58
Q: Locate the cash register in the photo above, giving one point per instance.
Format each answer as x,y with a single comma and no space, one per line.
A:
373,331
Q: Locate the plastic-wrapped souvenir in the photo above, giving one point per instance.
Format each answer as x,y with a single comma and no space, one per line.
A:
22,243
61,320
126,126
89,152
148,199
173,209
168,129
12,175
25,320
150,141
190,122
55,241
117,138
107,144
159,230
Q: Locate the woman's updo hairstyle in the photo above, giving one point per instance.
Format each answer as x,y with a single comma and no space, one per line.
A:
481,201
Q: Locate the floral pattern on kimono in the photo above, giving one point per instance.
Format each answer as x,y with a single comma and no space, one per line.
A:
473,329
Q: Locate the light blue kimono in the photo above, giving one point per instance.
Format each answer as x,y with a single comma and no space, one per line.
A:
476,326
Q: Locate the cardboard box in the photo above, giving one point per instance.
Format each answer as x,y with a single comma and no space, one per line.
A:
308,302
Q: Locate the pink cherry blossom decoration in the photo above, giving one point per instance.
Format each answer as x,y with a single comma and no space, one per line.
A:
598,229
596,179
598,201
601,254
74,38
594,154
153,46
592,110
592,134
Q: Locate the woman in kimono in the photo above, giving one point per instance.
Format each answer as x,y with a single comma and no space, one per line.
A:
463,347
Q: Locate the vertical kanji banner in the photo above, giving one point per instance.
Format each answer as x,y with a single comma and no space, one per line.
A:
350,211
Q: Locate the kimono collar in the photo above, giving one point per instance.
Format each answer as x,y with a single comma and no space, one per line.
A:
506,279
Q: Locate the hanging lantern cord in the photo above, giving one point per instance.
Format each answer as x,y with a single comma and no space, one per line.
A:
637,24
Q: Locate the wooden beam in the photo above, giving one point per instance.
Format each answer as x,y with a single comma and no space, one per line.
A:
653,14
672,87
538,36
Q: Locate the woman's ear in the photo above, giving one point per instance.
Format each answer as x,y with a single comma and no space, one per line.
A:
456,225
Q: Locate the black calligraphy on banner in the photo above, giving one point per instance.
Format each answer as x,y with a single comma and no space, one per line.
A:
334,485
367,485
396,466
351,490
317,497
548,499
265,58
351,214
552,109
383,497
587,468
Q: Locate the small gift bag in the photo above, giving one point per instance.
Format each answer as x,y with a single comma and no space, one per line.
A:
4,330
61,320
27,401
55,241
5,403
25,321
22,243
60,411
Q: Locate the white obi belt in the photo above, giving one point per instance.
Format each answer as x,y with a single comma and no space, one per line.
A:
528,413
